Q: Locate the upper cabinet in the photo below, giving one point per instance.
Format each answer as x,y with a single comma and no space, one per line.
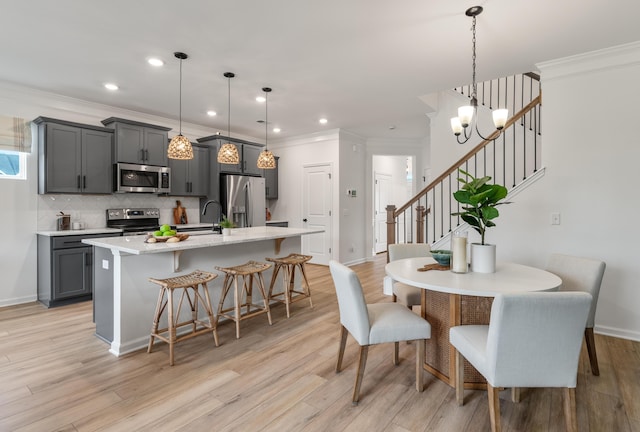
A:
139,143
248,152
73,157
191,177
271,181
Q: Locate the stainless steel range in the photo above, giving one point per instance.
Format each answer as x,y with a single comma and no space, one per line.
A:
134,221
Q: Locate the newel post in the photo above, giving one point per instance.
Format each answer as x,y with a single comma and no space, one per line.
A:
420,213
391,226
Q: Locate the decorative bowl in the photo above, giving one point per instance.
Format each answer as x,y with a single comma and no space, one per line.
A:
442,257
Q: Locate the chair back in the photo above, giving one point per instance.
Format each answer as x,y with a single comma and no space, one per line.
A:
408,250
354,315
534,339
579,274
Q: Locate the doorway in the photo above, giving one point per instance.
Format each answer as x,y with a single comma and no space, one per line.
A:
317,211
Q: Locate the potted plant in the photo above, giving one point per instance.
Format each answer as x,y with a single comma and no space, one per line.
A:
479,200
226,224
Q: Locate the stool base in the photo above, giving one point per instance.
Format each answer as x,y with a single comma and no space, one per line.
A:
288,267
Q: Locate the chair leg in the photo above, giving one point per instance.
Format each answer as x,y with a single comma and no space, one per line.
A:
396,353
364,350
459,378
343,343
591,349
515,394
420,347
494,407
570,416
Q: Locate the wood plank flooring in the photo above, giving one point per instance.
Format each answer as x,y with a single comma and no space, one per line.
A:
55,375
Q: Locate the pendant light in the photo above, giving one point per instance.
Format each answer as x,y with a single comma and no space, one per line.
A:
266,160
228,153
180,146
468,115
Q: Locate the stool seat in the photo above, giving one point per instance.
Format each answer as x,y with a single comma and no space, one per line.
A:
243,293
288,265
193,281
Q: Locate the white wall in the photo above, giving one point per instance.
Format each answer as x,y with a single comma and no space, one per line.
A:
591,155
354,218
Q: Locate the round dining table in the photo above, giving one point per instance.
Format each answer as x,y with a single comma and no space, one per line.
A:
449,299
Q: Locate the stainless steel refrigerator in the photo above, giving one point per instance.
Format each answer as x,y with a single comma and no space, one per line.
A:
243,200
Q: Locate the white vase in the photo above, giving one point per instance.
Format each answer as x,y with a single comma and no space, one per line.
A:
226,231
483,258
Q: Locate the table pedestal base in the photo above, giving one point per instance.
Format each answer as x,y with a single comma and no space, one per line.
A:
444,311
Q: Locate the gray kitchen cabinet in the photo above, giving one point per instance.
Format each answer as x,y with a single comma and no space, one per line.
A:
271,181
248,152
191,177
65,269
74,158
139,143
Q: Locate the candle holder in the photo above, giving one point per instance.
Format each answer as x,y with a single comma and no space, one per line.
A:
459,252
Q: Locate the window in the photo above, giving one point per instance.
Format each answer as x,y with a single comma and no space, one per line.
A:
13,165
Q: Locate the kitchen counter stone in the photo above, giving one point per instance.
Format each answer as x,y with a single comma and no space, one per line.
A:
79,232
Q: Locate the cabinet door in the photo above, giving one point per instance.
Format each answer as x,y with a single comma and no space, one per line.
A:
97,169
63,158
199,172
179,176
129,142
156,143
271,182
250,159
71,272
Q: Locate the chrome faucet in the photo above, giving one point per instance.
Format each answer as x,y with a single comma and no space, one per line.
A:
216,226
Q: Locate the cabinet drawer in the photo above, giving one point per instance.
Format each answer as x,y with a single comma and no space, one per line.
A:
74,241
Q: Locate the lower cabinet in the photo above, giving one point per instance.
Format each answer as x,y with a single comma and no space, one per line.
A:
65,269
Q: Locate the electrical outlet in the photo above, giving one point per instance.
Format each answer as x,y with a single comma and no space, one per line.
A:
555,218
105,264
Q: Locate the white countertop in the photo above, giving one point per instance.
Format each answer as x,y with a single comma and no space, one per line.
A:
136,245
79,232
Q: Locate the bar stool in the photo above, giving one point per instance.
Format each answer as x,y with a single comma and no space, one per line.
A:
192,280
242,296
288,266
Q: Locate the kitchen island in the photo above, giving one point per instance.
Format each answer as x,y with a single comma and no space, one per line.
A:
125,300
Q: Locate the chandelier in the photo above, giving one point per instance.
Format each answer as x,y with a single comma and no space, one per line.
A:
180,146
467,121
266,160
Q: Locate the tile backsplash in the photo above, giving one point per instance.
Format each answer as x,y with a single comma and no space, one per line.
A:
91,209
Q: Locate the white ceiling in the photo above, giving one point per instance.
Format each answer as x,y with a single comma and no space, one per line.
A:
363,64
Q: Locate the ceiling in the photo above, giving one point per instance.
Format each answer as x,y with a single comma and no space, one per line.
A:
362,64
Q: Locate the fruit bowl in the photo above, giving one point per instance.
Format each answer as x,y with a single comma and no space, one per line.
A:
442,257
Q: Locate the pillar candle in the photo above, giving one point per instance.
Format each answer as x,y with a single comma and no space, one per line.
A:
459,254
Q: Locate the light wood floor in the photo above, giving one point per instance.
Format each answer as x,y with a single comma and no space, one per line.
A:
55,375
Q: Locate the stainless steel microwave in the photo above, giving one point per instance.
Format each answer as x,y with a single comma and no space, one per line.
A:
141,178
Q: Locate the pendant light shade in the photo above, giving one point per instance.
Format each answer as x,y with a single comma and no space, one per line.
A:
180,146
228,153
266,160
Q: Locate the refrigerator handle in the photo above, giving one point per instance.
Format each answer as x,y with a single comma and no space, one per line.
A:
249,196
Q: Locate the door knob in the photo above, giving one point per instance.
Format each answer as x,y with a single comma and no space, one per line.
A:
304,220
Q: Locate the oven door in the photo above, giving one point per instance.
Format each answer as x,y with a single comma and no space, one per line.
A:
140,178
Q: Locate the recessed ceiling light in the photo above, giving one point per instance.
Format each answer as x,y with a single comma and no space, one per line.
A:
276,129
111,86
323,121
260,98
212,113
155,62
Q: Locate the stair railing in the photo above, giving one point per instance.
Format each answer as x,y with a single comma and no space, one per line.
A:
508,156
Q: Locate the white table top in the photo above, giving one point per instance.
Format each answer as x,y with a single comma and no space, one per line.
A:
508,278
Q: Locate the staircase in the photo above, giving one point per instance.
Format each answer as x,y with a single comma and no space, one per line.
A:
510,158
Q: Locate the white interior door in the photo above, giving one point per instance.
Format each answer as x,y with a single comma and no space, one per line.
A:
382,194
316,212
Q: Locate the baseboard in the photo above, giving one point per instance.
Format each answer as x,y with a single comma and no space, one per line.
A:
354,262
617,332
18,300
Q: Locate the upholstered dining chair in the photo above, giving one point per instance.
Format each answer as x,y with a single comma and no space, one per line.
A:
403,293
581,274
372,324
532,340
